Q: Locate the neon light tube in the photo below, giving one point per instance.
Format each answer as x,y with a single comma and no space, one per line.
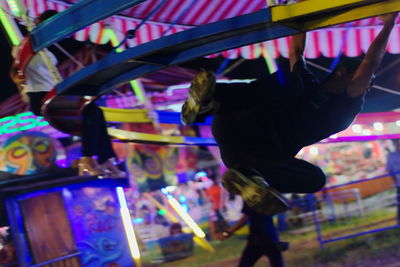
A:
271,64
185,216
127,221
9,26
134,84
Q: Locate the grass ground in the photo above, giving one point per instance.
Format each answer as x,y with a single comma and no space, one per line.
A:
378,249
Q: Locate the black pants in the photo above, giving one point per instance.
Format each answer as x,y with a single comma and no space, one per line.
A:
263,125
95,139
254,251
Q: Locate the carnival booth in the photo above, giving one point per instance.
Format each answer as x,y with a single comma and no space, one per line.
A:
55,216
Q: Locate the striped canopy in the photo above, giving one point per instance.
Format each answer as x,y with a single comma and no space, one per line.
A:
351,39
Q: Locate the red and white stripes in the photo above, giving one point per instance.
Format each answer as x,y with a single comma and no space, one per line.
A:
351,39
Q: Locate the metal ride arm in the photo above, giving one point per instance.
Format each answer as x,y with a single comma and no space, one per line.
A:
78,16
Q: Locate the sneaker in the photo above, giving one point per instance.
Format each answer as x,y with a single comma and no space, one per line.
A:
200,98
255,191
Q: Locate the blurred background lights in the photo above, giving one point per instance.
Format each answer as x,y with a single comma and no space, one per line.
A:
366,132
200,174
314,150
356,128
398,123
378,126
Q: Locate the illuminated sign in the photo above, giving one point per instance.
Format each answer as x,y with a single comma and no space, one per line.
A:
21,122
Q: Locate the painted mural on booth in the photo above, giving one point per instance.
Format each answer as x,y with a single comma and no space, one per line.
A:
27,153
153,167
97,226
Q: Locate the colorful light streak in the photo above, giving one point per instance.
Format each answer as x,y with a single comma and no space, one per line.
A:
185,216
271,64
13,7
137,88
127,221
9,26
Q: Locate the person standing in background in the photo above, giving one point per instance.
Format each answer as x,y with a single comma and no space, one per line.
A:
263,239
215,194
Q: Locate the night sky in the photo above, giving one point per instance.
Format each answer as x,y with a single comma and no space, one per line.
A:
7,86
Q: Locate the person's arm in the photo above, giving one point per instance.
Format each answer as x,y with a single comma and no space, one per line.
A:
15,75
239,224
18,78
362,77
297,46
296,51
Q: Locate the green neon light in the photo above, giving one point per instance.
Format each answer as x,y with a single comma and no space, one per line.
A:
8,27
114,39
162,212
271,65
134,84
138,90
21,122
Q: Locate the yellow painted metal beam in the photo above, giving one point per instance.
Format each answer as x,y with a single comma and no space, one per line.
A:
308,8
126,115
357,13
315,14
144,137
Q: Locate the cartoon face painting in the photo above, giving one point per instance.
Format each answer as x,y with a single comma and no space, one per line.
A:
28,153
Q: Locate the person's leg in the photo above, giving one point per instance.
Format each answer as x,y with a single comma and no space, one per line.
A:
35,102
96,141
294,176
303,124
95,133
270,92
274,254
204,94
90,143
3,211
250,255
307,123
89,133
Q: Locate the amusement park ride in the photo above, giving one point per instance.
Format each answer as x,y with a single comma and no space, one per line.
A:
63,105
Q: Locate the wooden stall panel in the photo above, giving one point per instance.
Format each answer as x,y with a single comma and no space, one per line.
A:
48,230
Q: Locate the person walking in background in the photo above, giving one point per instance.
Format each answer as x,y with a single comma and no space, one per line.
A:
393,167
262,240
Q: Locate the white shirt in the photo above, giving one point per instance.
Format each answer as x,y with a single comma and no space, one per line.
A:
38,77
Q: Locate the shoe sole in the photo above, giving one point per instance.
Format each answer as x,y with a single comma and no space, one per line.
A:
198,94
255,192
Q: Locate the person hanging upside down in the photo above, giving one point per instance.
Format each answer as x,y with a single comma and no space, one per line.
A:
262,125
95,139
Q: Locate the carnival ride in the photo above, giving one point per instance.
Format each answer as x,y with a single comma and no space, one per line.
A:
63,105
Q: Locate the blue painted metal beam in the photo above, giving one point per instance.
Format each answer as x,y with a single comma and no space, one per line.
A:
117,69
78,16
